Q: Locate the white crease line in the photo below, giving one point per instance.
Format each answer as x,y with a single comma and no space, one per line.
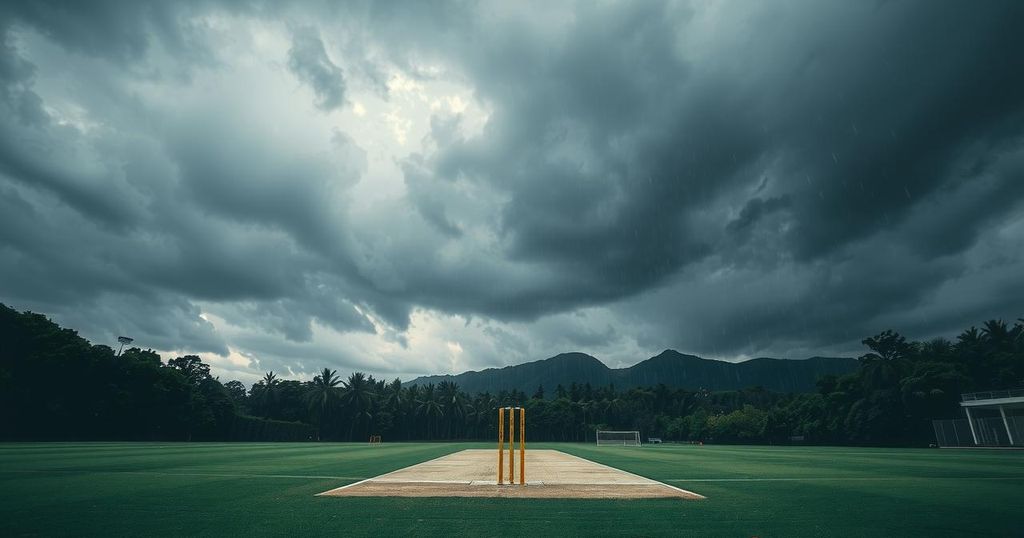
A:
494,482
418,481
698,495
328,492
563,483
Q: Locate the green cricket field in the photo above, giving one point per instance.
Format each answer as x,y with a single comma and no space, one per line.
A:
255,489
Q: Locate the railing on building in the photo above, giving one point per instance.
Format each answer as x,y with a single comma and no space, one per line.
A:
992,395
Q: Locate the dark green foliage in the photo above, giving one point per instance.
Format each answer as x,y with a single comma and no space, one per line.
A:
58,386
61,387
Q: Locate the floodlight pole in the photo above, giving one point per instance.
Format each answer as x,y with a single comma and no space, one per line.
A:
124,340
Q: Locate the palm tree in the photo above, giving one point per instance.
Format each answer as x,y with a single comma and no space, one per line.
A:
452,403
472,416
584,406
937,349
611,408
429,408
394,398
323,391
357,397
995,333
969,339
889,345
267,394
484,407
409,403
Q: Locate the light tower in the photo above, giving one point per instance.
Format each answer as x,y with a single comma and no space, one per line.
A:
124,340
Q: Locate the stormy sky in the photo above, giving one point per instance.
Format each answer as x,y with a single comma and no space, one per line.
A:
430,187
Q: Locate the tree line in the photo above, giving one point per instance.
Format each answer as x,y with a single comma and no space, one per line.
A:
56,385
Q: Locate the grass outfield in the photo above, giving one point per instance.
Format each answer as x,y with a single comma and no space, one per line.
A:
268,489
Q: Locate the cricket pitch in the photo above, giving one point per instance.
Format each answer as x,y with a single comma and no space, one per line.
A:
550,474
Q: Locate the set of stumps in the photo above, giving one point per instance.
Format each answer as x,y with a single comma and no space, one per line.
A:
514,414
463,474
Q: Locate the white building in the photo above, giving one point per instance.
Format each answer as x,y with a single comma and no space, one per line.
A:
993,417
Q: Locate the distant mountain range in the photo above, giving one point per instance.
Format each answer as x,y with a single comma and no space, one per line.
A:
672,368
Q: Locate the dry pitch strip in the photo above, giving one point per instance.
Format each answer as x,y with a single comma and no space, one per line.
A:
473,473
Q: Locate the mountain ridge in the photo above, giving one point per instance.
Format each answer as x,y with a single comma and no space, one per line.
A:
670,367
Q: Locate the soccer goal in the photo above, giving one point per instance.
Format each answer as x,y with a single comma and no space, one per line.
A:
618,438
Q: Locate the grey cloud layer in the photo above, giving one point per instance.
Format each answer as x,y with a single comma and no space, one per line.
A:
886,139
724,179
309,61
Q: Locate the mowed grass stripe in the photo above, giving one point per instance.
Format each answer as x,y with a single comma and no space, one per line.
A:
726,462
844,478
155,489
250,459
210,474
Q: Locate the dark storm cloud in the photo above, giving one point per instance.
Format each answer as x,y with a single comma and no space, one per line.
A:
430,196
82,286
117,30
136,224
722,179
309,61
121,31
25,129
882,122
290,358
239,175
754,211
622,153
561,144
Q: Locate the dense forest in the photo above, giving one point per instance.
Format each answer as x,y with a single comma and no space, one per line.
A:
56,385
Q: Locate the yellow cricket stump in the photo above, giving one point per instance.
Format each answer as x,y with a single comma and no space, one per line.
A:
501,443
522,446
511,445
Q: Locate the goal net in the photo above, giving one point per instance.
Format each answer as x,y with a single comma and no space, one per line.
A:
618,438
